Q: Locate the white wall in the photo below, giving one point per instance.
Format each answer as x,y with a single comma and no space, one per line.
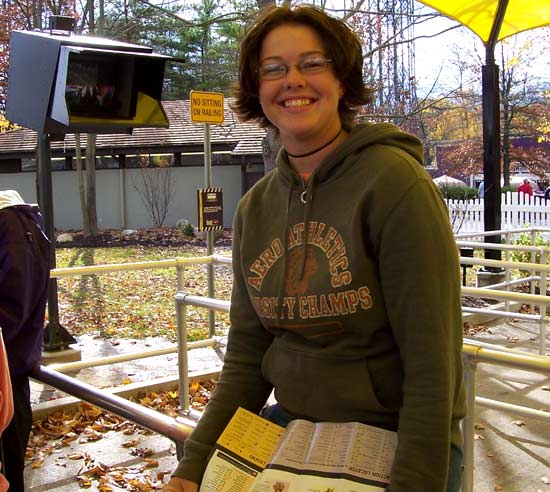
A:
110,202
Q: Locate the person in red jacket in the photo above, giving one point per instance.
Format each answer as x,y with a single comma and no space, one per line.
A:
6,403
526,188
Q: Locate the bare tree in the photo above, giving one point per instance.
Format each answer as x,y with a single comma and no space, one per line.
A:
86,186
81,184
156,189
271,144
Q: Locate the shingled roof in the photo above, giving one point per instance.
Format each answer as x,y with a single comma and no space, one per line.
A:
234,136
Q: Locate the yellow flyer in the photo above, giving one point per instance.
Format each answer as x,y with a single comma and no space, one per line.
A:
251,437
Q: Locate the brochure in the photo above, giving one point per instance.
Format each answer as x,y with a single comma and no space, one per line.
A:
255,455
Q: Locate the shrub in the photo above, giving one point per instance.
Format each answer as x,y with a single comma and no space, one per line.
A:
185,227
524,239
459,192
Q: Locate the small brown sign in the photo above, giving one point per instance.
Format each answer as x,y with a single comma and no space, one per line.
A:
210,206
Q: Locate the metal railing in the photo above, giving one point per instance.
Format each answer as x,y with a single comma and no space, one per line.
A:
179,428
178,263
182,300
538,275
473,352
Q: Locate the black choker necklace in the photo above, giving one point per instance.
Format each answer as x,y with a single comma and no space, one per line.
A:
316,150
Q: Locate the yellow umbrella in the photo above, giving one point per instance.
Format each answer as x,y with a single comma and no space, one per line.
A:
480,15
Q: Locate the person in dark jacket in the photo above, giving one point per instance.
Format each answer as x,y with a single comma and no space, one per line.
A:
24,273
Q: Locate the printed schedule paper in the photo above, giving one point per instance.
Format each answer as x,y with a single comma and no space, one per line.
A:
255,455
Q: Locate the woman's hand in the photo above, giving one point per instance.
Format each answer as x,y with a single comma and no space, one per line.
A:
180,485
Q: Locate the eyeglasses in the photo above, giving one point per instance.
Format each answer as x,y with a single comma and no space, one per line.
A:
308,66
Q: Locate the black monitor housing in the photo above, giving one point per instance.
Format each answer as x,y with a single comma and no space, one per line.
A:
61,84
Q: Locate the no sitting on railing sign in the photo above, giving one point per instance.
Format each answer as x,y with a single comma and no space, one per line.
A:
207,107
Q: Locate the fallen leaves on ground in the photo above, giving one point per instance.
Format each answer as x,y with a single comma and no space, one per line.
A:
137,478
137,304
87,423
475,329
527,309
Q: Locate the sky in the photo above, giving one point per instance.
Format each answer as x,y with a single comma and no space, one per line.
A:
434,55
437,53
435,47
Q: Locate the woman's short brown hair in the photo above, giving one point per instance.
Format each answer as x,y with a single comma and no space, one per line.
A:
341,45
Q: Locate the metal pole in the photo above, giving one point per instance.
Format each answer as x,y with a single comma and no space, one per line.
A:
543,321
122,192
183,362
115,359
209,234
55,336
491,134
491,153
177,429
507,277
468,424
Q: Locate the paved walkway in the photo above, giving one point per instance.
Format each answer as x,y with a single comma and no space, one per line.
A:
512,452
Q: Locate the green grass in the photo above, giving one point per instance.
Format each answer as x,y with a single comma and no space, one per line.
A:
134,304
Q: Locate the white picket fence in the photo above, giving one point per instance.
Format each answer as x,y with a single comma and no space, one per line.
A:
518,210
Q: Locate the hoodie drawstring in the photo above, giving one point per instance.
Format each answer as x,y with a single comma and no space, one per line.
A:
306,197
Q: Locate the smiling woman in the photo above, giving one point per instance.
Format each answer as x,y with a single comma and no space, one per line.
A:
346,288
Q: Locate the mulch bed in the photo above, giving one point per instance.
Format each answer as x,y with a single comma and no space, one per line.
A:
154,237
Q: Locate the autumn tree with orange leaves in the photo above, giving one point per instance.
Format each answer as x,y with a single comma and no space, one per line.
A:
27,15
9,20
453,122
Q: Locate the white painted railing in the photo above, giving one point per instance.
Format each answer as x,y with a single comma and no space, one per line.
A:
518,210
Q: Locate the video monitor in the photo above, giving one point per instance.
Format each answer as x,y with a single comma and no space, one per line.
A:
100,86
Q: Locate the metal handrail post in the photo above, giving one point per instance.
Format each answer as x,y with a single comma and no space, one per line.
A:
542,306
507,274
542,346
468,423
180,271
183,362
533,260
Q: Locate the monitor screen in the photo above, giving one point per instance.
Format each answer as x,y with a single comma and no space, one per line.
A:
99,86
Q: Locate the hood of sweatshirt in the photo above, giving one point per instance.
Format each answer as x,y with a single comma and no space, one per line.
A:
360,136
334,165
10,198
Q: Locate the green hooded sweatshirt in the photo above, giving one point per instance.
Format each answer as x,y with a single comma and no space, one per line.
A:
346,302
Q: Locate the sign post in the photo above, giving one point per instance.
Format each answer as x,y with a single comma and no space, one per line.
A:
207,108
